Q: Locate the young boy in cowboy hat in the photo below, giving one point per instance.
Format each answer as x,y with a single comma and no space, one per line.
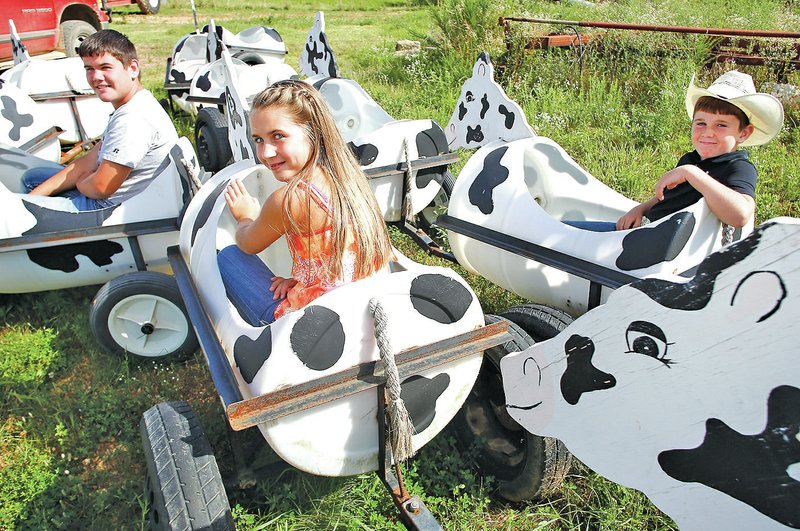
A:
729,114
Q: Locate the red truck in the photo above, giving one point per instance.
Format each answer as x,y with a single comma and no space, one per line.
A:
58,25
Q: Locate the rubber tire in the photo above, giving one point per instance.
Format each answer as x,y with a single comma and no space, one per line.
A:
183,486
249,58
538,465
121,294
428,215
147,7
211,139
73,32
539,321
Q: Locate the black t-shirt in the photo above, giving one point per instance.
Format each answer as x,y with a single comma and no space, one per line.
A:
734,170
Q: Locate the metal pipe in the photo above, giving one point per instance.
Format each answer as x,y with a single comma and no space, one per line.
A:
662,28
218,365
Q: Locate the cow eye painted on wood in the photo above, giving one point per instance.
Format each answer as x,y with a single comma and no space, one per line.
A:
647,338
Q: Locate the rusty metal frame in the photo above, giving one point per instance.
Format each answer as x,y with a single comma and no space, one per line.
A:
732,32
363,377
725,34
40,139
110,232
413,512
244,413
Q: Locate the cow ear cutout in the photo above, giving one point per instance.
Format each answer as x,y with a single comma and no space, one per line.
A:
759,293
483,66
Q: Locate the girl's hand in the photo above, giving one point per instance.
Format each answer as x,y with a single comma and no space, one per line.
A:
241,204
281,286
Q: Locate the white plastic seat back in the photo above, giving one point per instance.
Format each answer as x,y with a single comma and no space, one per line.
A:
262,40
355,112
38,77
22,120
191,48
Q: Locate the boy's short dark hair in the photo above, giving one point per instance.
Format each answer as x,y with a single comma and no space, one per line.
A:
111,42
718,106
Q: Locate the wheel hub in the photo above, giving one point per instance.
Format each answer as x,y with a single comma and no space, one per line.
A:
148,328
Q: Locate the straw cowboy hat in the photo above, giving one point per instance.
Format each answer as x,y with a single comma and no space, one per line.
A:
764,111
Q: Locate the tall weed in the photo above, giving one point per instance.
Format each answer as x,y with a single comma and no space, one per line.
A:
465,27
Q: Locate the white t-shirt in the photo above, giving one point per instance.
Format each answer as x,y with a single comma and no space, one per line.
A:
139,135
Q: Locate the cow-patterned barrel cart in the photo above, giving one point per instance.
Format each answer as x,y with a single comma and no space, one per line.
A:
139,310
506,222
313,381
192,80
196,82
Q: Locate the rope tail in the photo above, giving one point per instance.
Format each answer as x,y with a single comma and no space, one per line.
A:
408,207
400,426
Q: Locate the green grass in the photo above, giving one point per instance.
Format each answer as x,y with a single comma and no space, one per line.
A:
70,452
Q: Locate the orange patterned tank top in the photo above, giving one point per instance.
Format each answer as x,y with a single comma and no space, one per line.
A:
309,253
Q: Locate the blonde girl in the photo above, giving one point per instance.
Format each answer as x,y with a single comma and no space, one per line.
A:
326,209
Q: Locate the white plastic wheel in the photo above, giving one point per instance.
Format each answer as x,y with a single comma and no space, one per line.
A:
147,325
142,314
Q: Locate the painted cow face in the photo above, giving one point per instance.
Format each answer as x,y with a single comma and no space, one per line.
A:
689,392
484,113
317,57
236,111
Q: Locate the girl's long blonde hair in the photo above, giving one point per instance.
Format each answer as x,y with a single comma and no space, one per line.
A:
355,210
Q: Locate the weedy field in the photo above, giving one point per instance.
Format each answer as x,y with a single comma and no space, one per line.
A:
70,451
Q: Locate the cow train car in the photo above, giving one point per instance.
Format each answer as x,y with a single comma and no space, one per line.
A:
507,220
139,310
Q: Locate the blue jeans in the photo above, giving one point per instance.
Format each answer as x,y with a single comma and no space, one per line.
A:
247,280
595,226
68,201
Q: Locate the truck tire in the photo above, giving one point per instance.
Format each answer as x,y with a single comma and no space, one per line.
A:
149,7
249,58
525,465
211,139
183,486
74,31
539,321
